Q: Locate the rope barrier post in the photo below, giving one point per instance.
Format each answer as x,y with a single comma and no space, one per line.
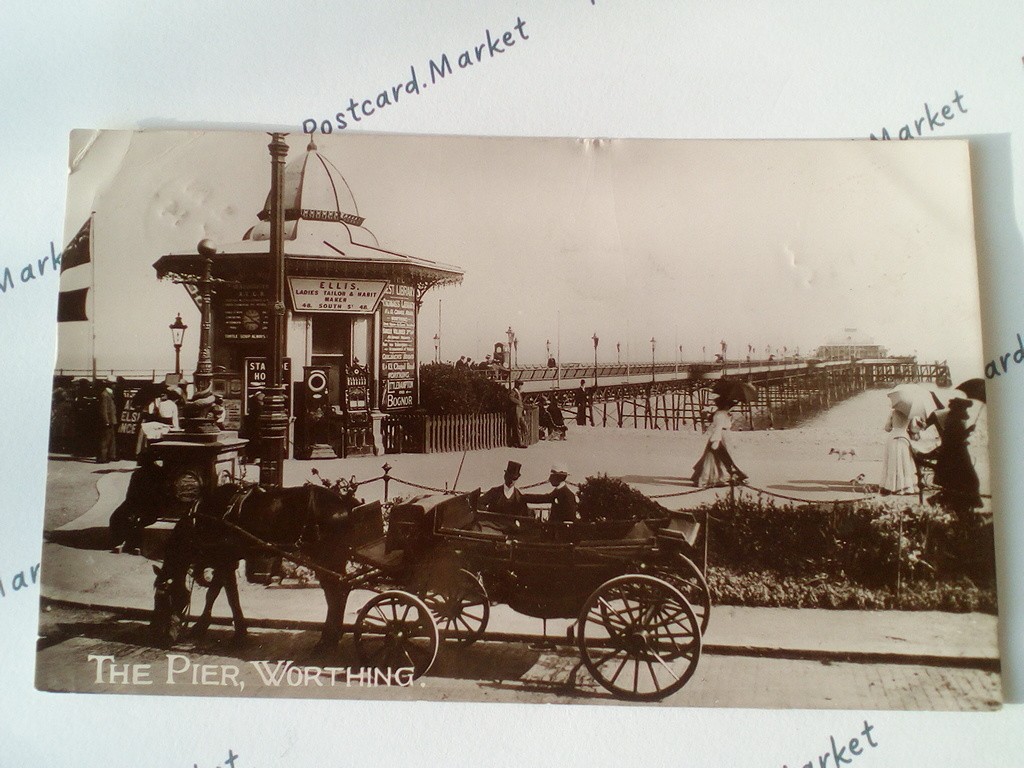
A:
386,478
707,534
899,563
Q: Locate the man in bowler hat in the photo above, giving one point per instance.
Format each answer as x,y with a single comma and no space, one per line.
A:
560,497
506,499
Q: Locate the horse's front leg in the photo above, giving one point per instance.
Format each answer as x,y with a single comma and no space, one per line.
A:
212,593
231,587
336,595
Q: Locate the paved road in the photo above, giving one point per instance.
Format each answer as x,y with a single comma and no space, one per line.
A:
487,671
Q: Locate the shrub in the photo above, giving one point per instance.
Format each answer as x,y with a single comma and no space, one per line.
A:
775,590
445,389
608,498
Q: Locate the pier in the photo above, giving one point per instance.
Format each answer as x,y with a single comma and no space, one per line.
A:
675,396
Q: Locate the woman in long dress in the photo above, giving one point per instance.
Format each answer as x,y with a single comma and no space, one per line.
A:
899,473
954,470
715,466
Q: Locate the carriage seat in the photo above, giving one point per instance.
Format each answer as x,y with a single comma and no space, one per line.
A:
681,527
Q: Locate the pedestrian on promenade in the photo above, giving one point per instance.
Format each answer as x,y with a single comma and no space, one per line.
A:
899,472
161,417
954,471
716,467
581,400
107,449
518,427
550,418
142,505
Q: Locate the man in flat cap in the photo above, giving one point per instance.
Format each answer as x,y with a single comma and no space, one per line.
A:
107,450
506,499
560,497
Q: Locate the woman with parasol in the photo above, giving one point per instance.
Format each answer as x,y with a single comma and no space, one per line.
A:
954,469
715,466
910,405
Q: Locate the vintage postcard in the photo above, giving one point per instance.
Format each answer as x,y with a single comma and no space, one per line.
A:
695,423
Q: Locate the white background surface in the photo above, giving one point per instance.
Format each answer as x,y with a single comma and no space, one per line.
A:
612,68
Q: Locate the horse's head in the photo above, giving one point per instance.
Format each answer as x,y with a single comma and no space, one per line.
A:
170,604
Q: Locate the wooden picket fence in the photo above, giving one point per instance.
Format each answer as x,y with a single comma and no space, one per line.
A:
421,433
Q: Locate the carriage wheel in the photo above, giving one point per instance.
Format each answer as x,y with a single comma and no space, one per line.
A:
639,637
684,575
395,630
460,605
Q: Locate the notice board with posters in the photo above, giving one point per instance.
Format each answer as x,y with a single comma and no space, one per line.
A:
398,385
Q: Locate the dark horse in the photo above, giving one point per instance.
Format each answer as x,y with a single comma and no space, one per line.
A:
228,524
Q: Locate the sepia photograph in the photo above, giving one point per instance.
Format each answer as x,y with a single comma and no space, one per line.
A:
534,420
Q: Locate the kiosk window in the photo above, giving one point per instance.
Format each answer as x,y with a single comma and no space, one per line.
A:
332,334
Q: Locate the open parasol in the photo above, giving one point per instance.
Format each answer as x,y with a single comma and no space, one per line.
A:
974,389
914,401
737,391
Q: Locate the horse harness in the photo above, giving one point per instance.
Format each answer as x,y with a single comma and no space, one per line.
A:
289,550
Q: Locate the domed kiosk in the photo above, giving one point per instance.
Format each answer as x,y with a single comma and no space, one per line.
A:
351,314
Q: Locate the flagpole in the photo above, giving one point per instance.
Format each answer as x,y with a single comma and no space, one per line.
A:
92,286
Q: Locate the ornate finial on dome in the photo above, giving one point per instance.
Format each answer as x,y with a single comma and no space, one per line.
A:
312,144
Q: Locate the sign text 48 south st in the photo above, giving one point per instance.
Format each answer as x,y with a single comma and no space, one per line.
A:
492,45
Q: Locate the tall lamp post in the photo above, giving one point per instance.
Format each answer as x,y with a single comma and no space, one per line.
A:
596,340
652,359
204,367
274,417
508,354
437,348
178,329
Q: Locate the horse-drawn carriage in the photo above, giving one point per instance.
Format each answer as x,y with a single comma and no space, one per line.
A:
637,602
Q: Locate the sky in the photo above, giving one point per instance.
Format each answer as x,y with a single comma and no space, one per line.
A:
766,243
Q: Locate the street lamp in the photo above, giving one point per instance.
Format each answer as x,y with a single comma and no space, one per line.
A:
508,354
618,353
437,348
178,329
652,359
596,340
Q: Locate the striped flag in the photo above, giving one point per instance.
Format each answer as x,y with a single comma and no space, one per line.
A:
71,303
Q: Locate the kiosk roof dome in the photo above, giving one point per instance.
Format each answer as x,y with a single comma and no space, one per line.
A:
315,190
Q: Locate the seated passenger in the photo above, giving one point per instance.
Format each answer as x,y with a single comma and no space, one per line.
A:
560,497
555,417
506,499
547,426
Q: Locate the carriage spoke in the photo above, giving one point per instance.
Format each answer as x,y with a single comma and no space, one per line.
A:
626,621
654,677
657,656
609,656
618,671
